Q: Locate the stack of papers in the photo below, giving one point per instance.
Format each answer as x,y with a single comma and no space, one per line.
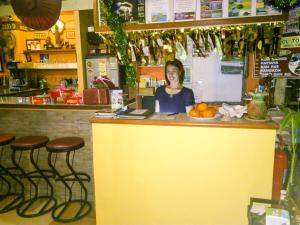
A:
135,114
105,114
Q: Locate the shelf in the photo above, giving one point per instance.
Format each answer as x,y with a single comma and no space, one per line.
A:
48,66
199,23
51,50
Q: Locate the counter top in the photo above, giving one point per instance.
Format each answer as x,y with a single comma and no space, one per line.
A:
183,120
26,92
11,103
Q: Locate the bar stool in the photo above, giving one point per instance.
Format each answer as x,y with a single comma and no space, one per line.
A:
33,206
11,199
69,145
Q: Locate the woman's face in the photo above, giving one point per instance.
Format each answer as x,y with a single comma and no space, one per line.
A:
173,74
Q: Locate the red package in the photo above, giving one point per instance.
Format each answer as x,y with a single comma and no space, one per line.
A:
95,96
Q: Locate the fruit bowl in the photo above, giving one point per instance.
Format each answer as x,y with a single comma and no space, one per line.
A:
216,117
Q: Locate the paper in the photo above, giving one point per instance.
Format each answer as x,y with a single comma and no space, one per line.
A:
239,8
158,11
184,9
102,67
138,111
211,9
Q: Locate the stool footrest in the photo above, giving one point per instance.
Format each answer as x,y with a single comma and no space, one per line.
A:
71,177
15,171
36,174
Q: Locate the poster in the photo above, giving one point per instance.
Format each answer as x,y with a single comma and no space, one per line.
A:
131,11
211,9
184,10
286,65
158,11
264,9
239,8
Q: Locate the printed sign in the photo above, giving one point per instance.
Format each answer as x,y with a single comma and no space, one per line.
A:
288,63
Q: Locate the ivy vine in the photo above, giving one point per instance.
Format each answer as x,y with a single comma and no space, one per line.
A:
115,23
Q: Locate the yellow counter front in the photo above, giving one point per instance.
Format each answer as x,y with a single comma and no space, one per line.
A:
180,172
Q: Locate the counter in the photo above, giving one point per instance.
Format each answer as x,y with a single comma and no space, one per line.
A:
180,171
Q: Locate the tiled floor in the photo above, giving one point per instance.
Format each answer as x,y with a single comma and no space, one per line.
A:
11,218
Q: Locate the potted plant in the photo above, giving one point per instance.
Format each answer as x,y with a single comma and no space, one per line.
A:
291,120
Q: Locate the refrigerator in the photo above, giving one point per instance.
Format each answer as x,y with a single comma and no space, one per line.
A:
102,65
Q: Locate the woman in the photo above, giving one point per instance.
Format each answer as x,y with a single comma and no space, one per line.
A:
174,97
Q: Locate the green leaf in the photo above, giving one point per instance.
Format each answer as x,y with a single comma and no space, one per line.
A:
286,120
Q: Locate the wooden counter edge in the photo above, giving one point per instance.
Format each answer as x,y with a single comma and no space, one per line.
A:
220,124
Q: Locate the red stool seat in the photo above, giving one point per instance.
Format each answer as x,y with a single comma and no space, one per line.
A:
6,139
29,142
65,144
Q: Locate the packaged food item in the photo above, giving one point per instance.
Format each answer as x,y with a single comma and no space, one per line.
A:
41,99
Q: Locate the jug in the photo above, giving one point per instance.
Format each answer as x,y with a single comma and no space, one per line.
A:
257,108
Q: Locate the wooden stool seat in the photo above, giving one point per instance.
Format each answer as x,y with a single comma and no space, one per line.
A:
29,142
65,144
6,139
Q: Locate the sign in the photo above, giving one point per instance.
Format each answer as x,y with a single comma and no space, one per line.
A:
287,65
290,42
13,25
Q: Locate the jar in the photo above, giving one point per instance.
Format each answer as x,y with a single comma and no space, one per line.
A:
257,108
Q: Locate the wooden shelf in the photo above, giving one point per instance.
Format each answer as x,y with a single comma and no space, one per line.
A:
48,66
51,50
199,23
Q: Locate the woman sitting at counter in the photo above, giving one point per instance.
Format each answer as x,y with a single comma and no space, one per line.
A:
173,97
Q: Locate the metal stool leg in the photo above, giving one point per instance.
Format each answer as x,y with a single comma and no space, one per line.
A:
57,213
25,210
11,200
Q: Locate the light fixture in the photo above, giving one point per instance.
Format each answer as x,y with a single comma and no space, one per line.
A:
58,26
57,29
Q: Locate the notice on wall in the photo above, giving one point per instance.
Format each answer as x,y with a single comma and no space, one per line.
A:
158,11
184,10
239,8
211,9
287,65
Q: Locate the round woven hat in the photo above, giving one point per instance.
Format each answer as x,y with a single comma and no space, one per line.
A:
37,14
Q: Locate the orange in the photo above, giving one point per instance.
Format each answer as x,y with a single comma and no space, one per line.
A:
194,113
209,112
201,106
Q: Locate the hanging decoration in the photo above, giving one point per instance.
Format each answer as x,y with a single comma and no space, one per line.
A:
283,4
120,39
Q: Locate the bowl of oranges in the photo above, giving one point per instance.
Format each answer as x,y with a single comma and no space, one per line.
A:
202,111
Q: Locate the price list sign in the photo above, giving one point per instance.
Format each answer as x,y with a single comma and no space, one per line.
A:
286,65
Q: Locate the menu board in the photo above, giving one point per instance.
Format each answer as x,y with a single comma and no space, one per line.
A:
287,65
